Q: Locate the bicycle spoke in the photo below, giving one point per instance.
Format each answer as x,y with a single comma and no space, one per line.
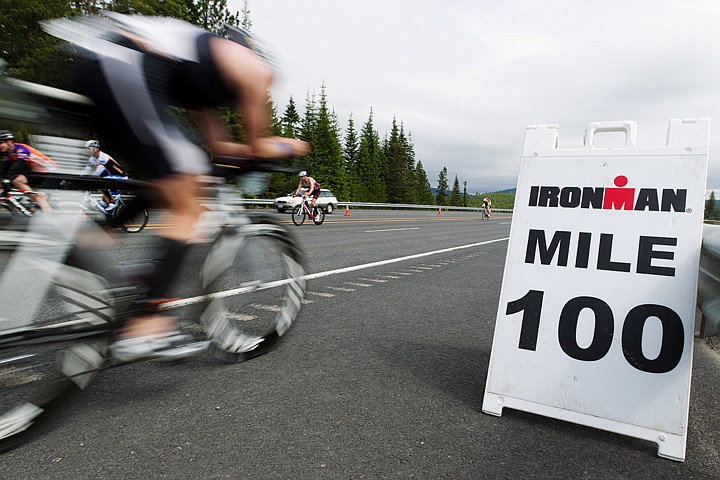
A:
255,299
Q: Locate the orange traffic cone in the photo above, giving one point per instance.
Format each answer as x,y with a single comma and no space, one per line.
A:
439,210
347,209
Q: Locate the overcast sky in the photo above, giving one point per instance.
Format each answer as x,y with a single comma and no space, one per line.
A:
466,77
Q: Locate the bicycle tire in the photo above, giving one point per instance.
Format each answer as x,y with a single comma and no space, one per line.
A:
136,224
7,213
318,215
37,369
298,215
253,278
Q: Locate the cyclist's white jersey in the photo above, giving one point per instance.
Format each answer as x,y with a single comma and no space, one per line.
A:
96,165
168,36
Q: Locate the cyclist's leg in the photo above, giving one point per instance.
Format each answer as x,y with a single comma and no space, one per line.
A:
136,124
20,182
316,195
107,197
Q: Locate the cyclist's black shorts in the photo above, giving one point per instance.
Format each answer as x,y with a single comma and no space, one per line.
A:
20,168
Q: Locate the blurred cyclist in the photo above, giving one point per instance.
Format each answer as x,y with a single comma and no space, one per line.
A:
137,69
103,165
313,187
21,159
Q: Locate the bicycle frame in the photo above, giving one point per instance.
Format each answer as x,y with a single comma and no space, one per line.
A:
12,195
222,212
306,206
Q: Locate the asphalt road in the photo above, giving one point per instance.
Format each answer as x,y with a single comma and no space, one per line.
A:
382,377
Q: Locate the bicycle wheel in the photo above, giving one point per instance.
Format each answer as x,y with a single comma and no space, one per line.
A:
7,213
135,224
253,281
298,215
54,355
318,215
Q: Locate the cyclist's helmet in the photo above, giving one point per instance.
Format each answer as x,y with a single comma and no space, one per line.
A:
249,40
6,135
303,174
92,144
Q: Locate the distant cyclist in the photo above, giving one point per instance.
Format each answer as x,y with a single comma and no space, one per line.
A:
313,187
103,165
486,205
21,159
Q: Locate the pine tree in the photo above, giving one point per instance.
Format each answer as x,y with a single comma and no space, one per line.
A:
307,125
399,185
465,194
441,197
246,23
290,120
455,199
350,156
423,191
370,164
212,15
328,165
710,207
409,150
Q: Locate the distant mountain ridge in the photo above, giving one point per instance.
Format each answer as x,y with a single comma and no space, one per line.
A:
447,192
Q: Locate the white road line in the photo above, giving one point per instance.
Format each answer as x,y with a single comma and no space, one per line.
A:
340,289
392,230
400,259
355,284
376,280
322,294
267,308
251,288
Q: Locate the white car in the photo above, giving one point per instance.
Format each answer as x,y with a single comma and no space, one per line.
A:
326,200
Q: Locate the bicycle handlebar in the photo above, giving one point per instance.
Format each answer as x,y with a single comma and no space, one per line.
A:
221,166
240,165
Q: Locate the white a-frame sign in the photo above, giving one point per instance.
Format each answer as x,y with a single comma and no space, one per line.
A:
596,316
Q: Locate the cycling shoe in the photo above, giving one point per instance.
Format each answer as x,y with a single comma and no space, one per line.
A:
172,346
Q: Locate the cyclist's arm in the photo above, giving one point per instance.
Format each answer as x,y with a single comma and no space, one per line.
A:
218,139
222,145
297,190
